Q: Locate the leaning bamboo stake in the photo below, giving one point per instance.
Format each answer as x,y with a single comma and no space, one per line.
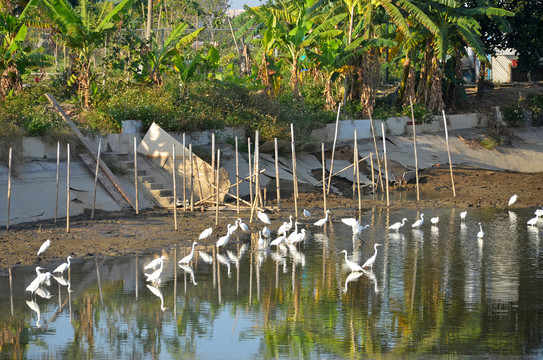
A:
347,167
357,174
218,189
184,176
449,152
323,177
333,149
237,176
250,171
415,148
376,153
199,183
68,190
277,180
355,156
212,157
58,169
294,176
372,175
9,188
136,174
174,189
96,177
385,160
191,180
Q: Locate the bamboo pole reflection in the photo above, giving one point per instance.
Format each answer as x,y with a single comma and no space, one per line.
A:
214,264
10,292
99,282
137,279
175,277
218,275
251,278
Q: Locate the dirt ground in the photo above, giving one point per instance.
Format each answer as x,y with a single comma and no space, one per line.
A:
111,234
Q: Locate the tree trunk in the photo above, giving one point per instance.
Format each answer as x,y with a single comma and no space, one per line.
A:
329,102
294,77
10,80
400,98
435,101
84,83
481,81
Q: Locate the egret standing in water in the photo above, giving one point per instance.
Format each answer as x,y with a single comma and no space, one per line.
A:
263,217
155,263
205,234
533,221
463,215
351,264
63,267
322,221
243,226
44,247
512,200
434,220
371,260
398,225
35,284
187,259
224,240
418,223
154,277
481,233
355,225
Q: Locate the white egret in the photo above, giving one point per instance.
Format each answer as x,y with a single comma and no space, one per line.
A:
306,213
188,270
206,257
539,212
205,234
224,240
434,220
533,221
283,228
263,217
243,226
396,226
35,284
63,267
154,277
294,233
355,225
154,264
322,221
261,242
463,215
44,247
233,228
187,259
158,293
34,306
512,200
481,233
418,223
351,264
45,278
278,240
299,237
371,260
266,232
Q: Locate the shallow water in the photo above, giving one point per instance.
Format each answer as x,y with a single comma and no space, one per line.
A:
431,292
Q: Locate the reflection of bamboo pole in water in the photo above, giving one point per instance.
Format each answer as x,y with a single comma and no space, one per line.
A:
237,270
191,179
11,292
353,336
276,274
99,283
175,280
257,266
251,278
214,251
414,285
218,277
136,276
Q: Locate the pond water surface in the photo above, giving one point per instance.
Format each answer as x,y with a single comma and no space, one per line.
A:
432,292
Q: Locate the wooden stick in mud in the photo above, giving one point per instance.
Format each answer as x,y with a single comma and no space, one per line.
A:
333,149
256,170
218,188
277,175
199,182
58,169
237,176
323,177
250,171
9,188
95,177
191,179
376,153
372,174
68,190
136,174
449,152
294,176
357,173
415,147
385,160
212,159
174,190
184,177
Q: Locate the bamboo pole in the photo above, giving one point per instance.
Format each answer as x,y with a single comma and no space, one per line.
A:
237,176
372,174
58,169
277,180
250,171
256,172
376,153
9,188
184,176
174,189
212,159
354,163
199,183
385,160
323,177
347,167
294,176
96,177
191,180
68,190
357,174
449,152
136,174
218,189
415,148
333,149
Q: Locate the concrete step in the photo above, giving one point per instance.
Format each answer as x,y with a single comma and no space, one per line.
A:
141,172
161,192
126,164
153,185
147,179
165,201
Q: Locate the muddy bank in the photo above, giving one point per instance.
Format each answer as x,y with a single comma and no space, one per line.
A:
111,234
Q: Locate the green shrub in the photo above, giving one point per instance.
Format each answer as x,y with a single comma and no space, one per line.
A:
421,114
535,103
491,142
513,114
